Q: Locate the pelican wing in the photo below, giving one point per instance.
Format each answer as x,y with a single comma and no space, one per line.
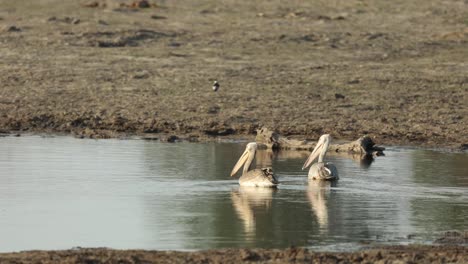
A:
259,177
327,171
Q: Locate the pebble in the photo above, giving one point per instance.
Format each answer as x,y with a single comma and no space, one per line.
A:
141,75
158,17
339,96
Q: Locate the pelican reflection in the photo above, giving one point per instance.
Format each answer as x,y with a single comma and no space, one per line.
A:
318,193
249,200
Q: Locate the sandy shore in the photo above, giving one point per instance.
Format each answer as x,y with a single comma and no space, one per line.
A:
396,72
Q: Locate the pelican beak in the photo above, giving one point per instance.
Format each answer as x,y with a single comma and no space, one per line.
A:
241,161
314,154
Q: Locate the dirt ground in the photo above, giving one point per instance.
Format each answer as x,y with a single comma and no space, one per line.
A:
395,70
387,255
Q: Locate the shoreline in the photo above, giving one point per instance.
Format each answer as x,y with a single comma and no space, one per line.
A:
196,138
379,254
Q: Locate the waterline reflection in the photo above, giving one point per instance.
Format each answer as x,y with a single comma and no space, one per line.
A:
318,193
250,201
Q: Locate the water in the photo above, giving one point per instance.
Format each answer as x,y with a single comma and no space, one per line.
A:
62,192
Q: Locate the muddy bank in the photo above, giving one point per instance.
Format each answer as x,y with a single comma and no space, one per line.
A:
101,69
393,254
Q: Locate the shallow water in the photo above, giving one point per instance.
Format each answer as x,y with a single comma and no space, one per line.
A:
62,192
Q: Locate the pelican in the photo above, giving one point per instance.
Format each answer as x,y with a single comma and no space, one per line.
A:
257,177
321,170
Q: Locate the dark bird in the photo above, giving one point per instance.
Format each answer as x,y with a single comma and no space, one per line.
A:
215,86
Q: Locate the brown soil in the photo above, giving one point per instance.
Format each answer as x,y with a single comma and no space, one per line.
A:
394,70
387,255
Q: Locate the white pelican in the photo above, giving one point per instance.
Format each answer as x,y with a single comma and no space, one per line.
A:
321,170
257,177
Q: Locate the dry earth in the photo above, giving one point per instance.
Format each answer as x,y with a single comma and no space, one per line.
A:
396,70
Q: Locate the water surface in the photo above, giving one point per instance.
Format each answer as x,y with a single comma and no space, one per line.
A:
62,192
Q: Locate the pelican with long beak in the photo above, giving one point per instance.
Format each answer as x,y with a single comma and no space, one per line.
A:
257,177
321,170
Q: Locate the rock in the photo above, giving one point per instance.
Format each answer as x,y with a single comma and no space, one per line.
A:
272,140
92,4
141,75
248,255
354,81
213,109
293,14
220,131
158,17
150,137
95,134
102,22
340,16
453,237
268,138
68,20
171,139
137,4
193,138
141,4
75,21
110,44
339,96
363,145
11,29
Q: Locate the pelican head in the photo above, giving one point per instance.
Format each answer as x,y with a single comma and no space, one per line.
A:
319,151
246,158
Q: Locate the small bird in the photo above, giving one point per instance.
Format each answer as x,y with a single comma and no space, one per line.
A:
215,86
